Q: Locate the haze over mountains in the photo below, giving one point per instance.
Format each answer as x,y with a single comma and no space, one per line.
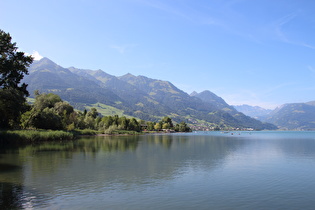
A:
292,116
138,96
253,111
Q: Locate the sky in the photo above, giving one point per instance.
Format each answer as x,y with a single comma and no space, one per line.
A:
255,52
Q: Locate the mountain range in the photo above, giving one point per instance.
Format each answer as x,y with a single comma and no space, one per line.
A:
137,96
253,111
291,116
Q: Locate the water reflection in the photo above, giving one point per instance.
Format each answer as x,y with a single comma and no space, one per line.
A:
11,196
98,163
45,174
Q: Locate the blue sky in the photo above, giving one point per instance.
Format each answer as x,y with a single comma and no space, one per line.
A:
256,52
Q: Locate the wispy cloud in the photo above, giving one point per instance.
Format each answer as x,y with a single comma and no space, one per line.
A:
257,97
279,29
35,55
166,8
312,70
279,26
308,46
272,89
122,49
184,11
218,14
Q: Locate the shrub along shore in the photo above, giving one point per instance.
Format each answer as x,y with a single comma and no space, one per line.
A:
32,136
37,136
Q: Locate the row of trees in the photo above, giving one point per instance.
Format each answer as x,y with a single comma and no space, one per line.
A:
50,112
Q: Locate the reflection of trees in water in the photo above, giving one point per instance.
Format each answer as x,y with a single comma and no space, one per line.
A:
163,140
100,162
13,193
10,196
85,145
108,144
51,155
16,196
157,156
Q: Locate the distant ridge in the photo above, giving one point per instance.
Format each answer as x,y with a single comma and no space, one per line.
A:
291,116
253,111
294,116
137,96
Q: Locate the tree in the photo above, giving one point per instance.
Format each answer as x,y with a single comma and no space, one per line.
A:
168,121
123,123
107,121
45,100
134,125
182,127
157,126
166,126
150,126
50,112
13,67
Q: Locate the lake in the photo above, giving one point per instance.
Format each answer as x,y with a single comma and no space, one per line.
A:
203,170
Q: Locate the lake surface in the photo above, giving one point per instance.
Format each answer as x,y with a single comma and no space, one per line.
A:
203,170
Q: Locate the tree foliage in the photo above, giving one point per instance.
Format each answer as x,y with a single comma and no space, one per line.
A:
182,127
50,112
13,67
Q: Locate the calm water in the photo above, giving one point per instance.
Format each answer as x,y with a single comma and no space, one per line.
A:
246,170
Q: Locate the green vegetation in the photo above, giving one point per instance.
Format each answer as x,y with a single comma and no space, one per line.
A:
35,135
13,66
49,112
104,109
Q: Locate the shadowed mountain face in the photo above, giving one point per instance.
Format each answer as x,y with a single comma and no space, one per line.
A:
137,96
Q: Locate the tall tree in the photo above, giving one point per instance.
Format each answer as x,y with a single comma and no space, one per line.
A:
13,67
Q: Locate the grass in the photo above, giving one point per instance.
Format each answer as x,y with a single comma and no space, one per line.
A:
35,135
123,132
106,110
85,132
